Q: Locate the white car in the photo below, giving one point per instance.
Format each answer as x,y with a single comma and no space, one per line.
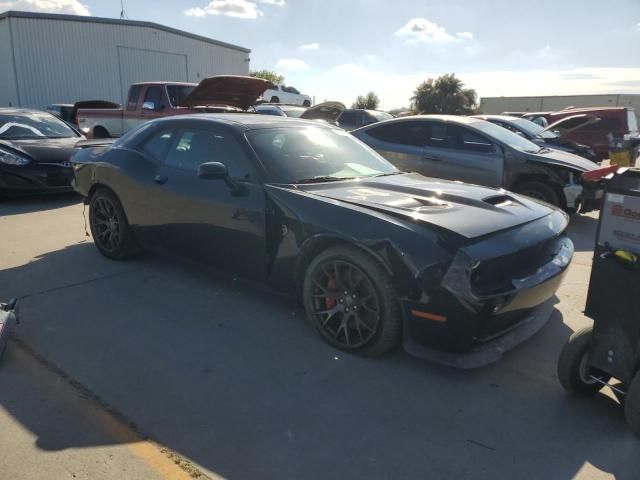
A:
289,95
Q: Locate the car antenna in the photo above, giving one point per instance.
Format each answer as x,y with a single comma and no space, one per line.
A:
123,14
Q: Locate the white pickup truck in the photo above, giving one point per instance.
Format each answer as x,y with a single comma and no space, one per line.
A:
289,95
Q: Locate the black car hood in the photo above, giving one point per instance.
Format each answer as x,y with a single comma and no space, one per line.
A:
54,150
468,210
562,159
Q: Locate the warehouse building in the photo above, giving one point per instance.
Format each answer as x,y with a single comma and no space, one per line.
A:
50,58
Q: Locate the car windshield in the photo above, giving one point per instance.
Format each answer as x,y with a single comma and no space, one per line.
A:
506,136
178,93
532,129
294,112
19,125
306,154
380,116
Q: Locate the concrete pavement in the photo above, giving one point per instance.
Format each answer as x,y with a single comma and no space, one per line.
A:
233,379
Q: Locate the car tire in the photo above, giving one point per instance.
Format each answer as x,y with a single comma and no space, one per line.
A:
539,191
100,132
351,301
274,100
110,229
306,103
572,365
632,405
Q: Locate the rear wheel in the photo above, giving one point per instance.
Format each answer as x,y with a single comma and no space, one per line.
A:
275,100
100,132
109,226
573,366
539,191
351,301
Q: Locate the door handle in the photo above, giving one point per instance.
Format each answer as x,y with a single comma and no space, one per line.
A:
160,179
434,158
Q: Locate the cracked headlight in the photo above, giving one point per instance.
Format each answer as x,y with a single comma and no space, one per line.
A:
12,159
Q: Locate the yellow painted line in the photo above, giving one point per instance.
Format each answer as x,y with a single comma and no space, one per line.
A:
163,461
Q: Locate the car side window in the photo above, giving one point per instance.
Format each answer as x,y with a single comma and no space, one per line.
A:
462,138
156,146
134,93
348,118
194,147
154,95
415,134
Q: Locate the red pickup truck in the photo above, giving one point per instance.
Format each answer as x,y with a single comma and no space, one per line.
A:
149,100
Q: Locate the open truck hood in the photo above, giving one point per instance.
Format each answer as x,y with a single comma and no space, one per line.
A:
232,90
328,111
468,210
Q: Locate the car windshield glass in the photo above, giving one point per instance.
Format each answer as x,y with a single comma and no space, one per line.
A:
178,93
380,116
14,126
293,111
505,136
532,129
296,154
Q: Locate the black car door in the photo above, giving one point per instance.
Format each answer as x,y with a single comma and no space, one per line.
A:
205,220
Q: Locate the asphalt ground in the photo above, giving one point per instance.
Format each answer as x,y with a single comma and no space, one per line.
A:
154,369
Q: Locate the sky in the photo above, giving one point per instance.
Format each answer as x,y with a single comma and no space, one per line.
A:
338,49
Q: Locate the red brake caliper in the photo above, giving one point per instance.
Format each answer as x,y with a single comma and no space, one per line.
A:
330,302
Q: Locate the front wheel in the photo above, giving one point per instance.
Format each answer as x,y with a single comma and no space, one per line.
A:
539,191
306,103
109,226
573,366
351,301
275,100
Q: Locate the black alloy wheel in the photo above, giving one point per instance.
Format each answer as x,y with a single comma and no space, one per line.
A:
109,227
539,191
351,301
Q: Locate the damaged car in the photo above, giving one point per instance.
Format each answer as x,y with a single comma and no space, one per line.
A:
545,137
378,256
476,151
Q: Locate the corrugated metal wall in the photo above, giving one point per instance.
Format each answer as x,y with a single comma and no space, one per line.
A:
63,61
8,94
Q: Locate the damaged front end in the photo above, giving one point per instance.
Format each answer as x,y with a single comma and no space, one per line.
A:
495,294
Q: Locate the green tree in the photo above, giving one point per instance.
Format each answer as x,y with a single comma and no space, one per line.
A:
269,75
444,95
370,101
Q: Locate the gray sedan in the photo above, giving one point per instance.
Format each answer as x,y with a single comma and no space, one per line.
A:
476,151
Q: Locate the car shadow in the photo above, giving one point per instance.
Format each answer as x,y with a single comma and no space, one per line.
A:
583,230
233,378
36,203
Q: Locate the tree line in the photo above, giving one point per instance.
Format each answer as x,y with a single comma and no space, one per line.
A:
443,95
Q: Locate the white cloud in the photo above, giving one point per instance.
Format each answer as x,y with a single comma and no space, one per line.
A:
279,3
73,7
292,65
424,30
230,8
310,46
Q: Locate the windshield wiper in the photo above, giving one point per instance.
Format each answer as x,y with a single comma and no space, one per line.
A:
320,179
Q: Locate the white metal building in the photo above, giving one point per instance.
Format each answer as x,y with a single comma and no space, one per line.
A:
50,58
496,105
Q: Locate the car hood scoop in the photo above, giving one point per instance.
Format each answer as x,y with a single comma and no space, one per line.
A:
469,210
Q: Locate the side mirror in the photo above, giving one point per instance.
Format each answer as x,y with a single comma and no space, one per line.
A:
213,171
149,106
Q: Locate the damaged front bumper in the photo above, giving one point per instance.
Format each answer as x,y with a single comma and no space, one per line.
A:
495,294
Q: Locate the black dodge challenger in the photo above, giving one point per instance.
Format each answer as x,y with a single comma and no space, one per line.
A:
379,256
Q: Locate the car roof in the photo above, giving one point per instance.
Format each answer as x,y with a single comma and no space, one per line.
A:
441,118
248,121
504,118
186,84
19,110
